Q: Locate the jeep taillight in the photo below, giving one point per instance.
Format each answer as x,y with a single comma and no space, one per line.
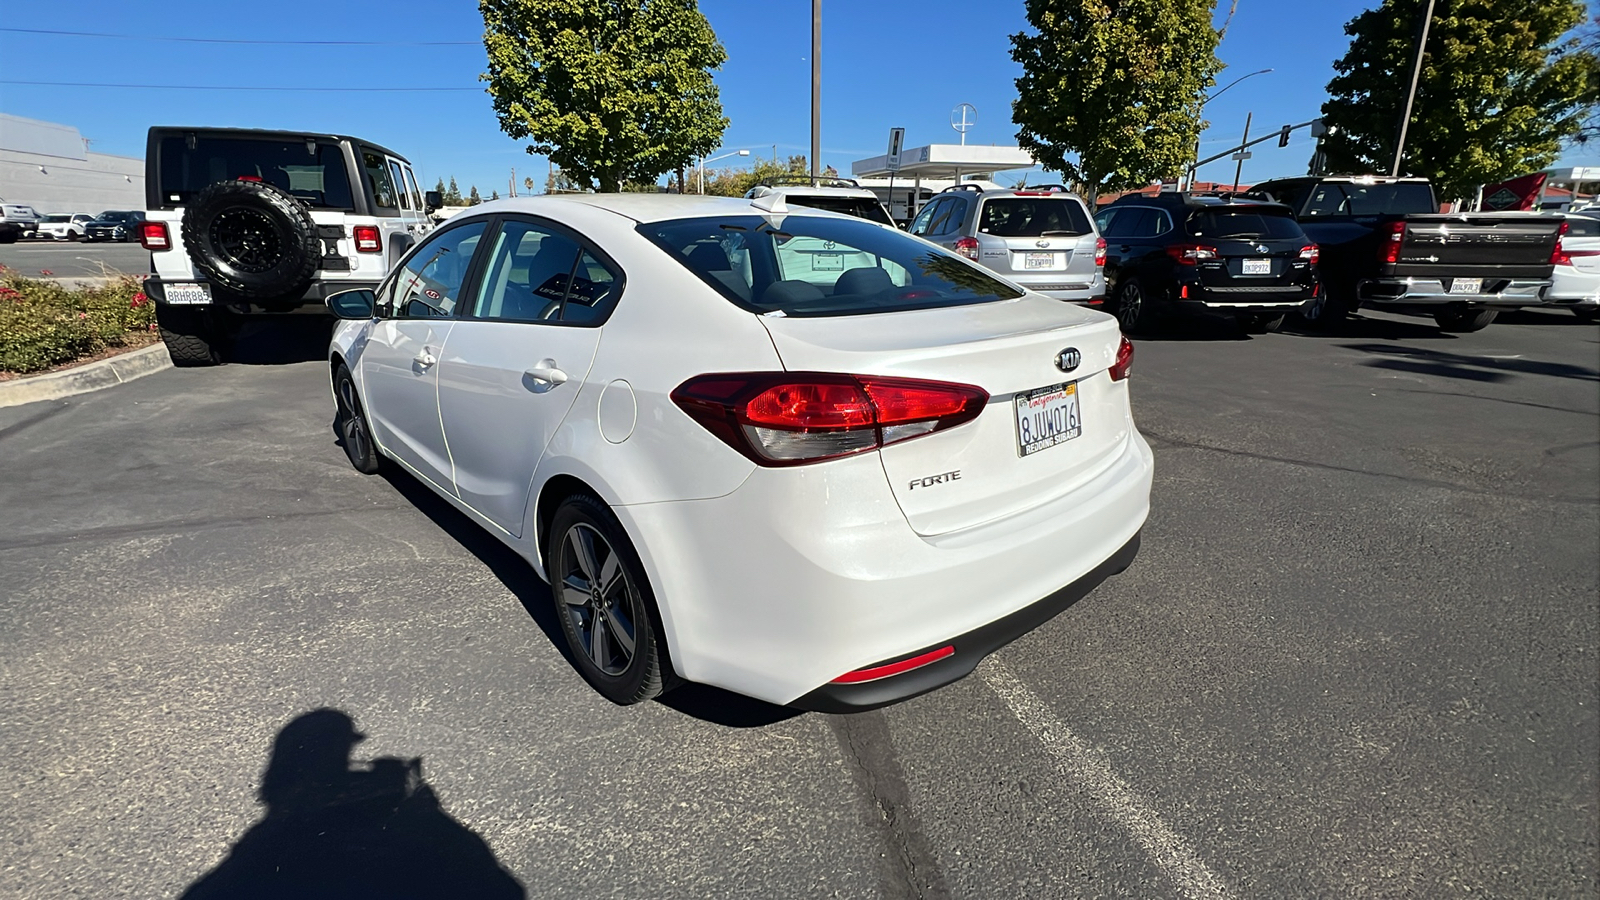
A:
153,236
367,239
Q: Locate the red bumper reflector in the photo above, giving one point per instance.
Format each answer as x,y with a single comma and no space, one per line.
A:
895,668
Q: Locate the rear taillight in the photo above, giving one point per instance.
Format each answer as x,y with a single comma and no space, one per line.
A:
1099,251
1559,256
1393,235
253,179
790,418
1190,254
153,236
1124,365
873,673
1310,254
967,247
367,239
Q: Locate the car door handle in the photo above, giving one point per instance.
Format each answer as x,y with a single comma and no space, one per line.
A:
425,359
546,374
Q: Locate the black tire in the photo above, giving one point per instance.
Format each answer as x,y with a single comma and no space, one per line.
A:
252,239
193,336
597,616
1588,313
1464,321
1260,323
1133,307
355,432
7,236
1326,310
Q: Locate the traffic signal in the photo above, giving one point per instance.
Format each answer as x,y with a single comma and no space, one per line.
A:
1283,136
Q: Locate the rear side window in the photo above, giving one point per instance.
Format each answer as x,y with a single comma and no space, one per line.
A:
1258,224
815,266
400,185
1033,217
383,190
316,177
860,207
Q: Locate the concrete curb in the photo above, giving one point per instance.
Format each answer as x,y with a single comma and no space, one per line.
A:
92,377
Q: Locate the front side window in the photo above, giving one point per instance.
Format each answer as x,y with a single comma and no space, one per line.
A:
383,190
429,285
1034,217
814,266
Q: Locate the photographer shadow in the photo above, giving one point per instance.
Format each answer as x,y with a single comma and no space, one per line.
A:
337,830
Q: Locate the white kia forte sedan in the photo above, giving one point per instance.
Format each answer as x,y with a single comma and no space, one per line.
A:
789,453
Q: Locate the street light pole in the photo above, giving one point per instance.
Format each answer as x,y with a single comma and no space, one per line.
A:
1239,169
1202,111
703,161
816,90
1411,95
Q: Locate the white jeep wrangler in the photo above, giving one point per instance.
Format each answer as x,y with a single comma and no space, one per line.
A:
249,222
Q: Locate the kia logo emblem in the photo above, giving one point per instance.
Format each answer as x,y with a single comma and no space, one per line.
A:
1068,359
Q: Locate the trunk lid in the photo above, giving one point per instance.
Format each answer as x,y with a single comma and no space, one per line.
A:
1008,349
1264,262
1504,245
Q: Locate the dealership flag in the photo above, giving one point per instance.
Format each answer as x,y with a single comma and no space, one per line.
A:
1518,193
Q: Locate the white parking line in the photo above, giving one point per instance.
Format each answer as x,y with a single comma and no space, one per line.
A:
1081,763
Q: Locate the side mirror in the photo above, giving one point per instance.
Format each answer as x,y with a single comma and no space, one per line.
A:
357,304
432,200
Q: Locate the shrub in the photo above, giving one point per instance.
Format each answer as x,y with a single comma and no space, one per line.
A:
43,324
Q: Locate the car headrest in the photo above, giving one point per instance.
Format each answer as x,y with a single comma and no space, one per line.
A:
708,257
863,280
790,293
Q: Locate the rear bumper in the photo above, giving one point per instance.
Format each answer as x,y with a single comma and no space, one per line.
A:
1436,292
1072,289
314,300
772,592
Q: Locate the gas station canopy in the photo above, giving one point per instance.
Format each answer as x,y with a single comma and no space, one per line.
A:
946,162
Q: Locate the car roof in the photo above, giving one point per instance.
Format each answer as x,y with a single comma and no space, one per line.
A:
805,190
1192,201
645,207
265,132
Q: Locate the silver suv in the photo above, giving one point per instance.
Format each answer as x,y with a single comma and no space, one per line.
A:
1042,239
830,194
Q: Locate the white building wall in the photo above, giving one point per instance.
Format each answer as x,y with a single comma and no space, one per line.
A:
46,166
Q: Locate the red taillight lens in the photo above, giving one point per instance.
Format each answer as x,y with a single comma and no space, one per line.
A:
1123,367
154,236
1099,251
967,247
251,178
367,239
789,418
1389,246
874,673
1190,254
1559,256
1310,254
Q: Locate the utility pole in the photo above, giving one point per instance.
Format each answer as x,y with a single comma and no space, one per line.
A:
1242,155
1411,95
513,181
816,90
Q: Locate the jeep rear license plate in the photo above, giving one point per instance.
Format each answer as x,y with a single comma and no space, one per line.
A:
1258,267
1039,260
188,294
1466,286
1046,417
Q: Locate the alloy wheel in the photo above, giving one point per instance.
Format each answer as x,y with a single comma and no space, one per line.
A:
1130,304
246,239
352,427
598,599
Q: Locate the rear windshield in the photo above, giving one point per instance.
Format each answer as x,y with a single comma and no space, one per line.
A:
1343,198
1583,226
816,266
860,207
1258,223
318,178
1033,217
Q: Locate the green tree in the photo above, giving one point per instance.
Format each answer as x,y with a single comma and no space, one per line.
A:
452,194
612,91
1502,87
494,194
474,198
1116,84
735,182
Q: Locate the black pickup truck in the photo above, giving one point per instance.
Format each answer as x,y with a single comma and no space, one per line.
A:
1385,245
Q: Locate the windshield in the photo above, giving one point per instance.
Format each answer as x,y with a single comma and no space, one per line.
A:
818,266
316,177
58,218
1259,223
1033,217
113,215
1344,198
861,207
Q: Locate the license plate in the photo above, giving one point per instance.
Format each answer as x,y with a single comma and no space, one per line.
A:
1039,260
1046,417
827,262
1466,286
188,294
1258,267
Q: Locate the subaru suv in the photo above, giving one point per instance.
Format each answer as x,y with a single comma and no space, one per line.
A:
251,222
1206,252
830,194
1041,239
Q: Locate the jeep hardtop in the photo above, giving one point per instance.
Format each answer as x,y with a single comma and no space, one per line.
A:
251,222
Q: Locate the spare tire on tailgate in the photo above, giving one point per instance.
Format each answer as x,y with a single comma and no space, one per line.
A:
252,239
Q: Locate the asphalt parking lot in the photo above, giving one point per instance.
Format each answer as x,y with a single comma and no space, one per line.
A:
1355,658
67,259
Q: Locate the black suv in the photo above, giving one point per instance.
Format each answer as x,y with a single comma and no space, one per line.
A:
114,225
1176,251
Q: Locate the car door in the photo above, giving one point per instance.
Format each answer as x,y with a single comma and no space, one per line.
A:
513,367
399,366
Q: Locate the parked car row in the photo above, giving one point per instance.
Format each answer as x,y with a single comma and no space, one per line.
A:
19,220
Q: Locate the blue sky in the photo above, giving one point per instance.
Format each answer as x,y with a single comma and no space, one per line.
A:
884,64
